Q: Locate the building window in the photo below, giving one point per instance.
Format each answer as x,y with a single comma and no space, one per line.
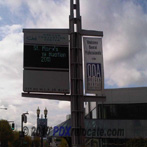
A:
94,114
122,111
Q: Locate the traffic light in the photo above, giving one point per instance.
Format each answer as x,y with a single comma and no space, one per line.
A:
24,118
13,126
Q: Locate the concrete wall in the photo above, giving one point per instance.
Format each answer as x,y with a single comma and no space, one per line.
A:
122,96
126,95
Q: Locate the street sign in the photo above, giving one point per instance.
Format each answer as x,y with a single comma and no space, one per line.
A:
46,61
41,122
93,65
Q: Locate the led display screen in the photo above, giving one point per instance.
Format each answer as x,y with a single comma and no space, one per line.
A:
44,56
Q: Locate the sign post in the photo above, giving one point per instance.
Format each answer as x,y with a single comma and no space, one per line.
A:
77,101
93,68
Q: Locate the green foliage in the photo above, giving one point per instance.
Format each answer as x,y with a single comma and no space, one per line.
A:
46,143
9,138
137,142
6,133
16,141
27,141
36,142
20,142
63,143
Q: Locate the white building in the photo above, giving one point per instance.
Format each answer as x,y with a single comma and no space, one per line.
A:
125,109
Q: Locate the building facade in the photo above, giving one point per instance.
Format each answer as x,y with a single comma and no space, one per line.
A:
125,108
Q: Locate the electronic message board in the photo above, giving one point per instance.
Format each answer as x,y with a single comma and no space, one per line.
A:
46,60
45,56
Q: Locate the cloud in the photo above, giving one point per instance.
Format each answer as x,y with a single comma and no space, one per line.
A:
124,43
0,18
50,14
11,53
13,4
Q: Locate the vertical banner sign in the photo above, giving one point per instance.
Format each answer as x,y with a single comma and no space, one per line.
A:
93,65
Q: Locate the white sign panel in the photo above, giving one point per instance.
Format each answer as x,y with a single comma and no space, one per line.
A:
45,81
46,61
93,65
45,38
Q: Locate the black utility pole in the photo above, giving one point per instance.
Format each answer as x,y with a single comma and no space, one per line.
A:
23,119
77,103
22,123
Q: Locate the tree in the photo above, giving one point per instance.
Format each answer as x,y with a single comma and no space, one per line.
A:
20,142
46,143
6,133
36,141
63,143
27,141
16,141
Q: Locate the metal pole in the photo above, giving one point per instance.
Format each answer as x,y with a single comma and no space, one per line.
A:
77,103
22,123
41,141
22,129
4,108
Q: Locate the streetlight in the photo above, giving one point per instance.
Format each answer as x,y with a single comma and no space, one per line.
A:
45,112
42,124
4,108
38,112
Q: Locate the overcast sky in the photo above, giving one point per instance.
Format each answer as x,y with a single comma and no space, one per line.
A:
124,24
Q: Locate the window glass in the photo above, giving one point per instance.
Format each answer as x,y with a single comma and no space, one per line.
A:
94,114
